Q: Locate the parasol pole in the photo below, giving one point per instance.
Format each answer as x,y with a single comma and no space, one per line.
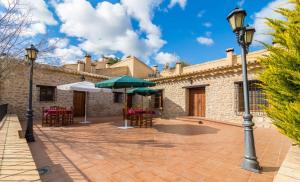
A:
142,101
85,108
86,99
125,114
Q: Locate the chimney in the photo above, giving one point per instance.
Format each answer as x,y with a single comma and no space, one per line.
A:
154,68
80,66
178,68
87,62
231,57
93,68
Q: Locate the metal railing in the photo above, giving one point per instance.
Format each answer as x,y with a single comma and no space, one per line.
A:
3,111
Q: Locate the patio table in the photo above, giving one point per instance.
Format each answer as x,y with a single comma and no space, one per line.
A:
56,113
139,113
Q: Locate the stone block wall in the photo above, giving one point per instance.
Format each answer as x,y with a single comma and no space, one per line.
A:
220,97
113,72
14,91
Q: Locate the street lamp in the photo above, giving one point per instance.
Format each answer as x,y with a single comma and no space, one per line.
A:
244,36
31,56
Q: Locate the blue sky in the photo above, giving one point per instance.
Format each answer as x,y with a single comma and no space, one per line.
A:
156,31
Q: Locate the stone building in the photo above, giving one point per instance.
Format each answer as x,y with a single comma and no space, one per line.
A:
14,91
129,65
211,90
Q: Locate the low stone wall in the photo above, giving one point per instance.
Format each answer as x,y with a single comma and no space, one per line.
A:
16,163
290,168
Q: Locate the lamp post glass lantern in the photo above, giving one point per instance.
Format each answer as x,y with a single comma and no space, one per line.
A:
244,38
249,33
31,56
236,19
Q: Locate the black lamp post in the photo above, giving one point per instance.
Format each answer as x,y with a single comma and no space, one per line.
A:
31,56
244,36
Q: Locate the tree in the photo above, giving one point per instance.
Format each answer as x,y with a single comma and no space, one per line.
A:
112,60
281,75
12,23
15,20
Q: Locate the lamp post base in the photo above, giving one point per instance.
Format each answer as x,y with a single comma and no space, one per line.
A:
29,137
251,165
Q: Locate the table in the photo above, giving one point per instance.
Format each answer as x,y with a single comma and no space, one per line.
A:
57,117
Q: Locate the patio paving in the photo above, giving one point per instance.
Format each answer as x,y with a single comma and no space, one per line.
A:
172,150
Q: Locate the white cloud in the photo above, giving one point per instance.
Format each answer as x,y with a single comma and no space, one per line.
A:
207,24
58,42
142,11
106,28
181,3
205,41
38,13
164,58
62,52
69,54
260,25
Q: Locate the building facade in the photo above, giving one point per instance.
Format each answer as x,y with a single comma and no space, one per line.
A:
14,91
212,90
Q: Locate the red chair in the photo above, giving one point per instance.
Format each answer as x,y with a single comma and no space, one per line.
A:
45,118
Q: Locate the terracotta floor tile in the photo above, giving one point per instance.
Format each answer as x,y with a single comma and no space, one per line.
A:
172,150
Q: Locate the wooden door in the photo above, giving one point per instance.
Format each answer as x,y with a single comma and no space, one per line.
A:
79,103
197,102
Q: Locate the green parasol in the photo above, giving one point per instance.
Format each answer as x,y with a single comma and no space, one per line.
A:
144,91
124,82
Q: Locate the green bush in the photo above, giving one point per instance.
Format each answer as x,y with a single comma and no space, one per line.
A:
281,76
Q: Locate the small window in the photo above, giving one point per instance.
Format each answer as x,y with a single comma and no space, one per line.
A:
158,99
47,93
118,97
256,97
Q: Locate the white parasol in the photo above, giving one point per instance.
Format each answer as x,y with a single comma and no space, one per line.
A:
83,86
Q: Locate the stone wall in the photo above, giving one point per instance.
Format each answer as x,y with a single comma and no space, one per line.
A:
112,72
14,91
220,97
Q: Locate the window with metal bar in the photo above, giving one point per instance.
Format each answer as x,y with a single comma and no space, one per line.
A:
118,97
46,93
256,97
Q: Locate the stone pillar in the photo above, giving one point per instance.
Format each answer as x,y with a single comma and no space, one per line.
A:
87,62
231,57
178,68
80,66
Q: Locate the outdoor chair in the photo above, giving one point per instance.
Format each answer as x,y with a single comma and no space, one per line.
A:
146,119
45,117
70,116
54,118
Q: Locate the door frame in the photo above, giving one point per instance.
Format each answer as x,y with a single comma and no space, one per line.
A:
83,104
200,87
